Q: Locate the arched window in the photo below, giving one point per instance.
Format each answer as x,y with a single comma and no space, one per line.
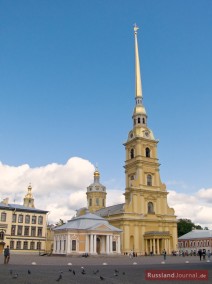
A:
147,152
150,207
149,180
139,120
143,120
132,153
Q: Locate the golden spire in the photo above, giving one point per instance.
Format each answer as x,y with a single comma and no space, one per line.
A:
138,86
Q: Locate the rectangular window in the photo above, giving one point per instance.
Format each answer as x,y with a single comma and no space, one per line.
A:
26,231
3,216
40,220
34,219
74,245
18,245
11,244
39,232
27,219
32,245
20,218
19,233
64,243
25,245
14,218
38,245
33,231
13,230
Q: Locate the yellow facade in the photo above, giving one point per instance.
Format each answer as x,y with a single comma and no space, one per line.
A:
22,227
148,224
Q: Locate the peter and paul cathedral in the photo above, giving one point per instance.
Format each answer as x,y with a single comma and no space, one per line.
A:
148,224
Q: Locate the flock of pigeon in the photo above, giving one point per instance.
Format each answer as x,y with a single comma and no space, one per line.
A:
96,272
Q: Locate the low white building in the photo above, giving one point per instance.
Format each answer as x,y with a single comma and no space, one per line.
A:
87,234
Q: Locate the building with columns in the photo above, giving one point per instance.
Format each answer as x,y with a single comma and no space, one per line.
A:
89,234
147,222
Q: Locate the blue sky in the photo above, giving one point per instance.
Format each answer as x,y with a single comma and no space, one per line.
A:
67,84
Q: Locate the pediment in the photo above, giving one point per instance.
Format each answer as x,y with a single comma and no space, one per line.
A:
102,228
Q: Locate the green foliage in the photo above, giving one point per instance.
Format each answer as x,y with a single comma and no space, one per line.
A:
184,226
60,223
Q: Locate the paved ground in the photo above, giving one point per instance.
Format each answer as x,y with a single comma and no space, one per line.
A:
47,269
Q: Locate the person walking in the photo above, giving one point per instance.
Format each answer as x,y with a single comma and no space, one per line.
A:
164,254
208,254
200,254
6,255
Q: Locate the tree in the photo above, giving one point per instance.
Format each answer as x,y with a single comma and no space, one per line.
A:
60,223
185,226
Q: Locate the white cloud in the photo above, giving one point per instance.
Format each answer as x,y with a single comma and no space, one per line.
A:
192,206
60,189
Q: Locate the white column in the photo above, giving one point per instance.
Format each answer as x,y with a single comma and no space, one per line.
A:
154,246
54,249
94,244
91,243
68,244
118,245
107,244
150,245
165,244
111,244
158,250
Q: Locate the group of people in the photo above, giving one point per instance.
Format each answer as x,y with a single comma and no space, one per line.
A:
6,255
202,254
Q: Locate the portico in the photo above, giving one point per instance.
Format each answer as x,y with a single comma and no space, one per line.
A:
88,233
156,242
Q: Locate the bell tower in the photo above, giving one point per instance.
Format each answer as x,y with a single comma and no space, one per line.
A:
96,194
141,164
28,199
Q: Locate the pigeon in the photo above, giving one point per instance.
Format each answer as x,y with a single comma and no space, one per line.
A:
95,272
101,277
123,273
83,271
70,270
29,272
59,278
11,272
15,276
116,271
74,272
